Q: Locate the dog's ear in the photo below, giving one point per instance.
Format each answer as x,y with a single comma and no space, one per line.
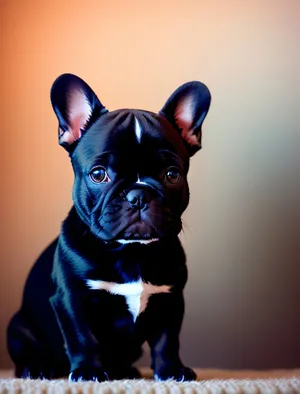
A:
76,107
186,109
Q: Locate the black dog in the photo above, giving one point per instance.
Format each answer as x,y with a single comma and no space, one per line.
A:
114,278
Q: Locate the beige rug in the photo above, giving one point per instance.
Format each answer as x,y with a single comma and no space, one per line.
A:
210,382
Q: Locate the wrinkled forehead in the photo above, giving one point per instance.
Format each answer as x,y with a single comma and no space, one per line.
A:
131,132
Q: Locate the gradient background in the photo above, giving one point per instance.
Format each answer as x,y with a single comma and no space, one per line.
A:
242,225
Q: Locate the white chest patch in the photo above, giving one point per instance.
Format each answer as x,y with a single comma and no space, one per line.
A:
136,293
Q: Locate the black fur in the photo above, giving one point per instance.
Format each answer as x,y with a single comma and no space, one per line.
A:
63,326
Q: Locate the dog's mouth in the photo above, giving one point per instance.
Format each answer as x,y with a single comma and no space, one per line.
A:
121,223
138,232
139,241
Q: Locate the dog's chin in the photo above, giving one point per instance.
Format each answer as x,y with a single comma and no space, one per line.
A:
138,232
137,241
142,238
143,229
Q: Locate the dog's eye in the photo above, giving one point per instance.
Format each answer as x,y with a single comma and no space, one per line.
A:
99,175
173,175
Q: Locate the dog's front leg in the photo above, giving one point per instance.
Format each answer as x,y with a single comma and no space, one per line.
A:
163,338
81,346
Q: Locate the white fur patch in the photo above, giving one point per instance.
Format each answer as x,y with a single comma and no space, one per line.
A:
140,241
138,130
184,119
140,182
136,293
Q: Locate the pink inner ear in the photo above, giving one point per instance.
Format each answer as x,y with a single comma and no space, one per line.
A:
79,111
184,119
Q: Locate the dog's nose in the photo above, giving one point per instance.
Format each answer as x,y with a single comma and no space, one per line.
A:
138,199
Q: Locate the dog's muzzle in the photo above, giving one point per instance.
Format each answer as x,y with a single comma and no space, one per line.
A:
138,199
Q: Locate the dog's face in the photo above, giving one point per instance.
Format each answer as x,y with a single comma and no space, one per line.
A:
130,166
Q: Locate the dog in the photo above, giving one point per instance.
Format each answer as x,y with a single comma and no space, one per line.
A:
114,277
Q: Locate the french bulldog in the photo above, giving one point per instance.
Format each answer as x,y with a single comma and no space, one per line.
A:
114,277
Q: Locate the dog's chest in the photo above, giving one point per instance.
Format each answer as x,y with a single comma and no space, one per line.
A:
136,293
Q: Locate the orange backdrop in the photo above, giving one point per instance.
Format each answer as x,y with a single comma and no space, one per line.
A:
242,225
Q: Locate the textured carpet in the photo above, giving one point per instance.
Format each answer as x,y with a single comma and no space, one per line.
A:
211,382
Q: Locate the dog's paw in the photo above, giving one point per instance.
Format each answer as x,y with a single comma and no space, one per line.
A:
81,374
180,374
33,372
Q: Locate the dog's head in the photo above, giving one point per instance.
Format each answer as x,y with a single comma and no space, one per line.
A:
130,166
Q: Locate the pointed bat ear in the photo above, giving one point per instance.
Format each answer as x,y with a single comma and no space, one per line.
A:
76,107
186,110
